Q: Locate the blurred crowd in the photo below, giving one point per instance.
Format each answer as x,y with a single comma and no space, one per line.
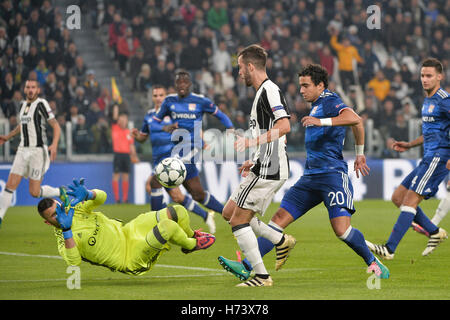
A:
374,70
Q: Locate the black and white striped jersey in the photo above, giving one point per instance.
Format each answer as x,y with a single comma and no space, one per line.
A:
271,160
33,118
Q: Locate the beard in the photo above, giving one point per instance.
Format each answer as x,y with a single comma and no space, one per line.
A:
248,79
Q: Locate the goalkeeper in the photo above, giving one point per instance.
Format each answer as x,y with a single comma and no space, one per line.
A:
133,248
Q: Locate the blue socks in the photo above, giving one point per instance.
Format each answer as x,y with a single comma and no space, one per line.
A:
355,240
422,220
192,206
157,199
401,226
212,203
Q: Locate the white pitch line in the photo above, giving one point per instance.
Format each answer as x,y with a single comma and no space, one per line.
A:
157,265
109,279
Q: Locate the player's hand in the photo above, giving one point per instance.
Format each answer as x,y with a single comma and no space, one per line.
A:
134,158
361,166
3,140
448,166
135,133
79,192
244,169
309,121
64,219
171,127
401,146
241,144
53,149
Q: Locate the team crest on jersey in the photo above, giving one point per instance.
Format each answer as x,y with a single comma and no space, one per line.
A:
166,119
192,106
172,107
430,108
314,110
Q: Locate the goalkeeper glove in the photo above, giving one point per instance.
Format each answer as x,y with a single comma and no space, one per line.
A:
79,192
65,220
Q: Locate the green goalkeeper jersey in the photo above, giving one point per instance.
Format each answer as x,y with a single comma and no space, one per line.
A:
99,239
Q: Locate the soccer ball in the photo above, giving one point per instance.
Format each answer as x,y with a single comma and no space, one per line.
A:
171,172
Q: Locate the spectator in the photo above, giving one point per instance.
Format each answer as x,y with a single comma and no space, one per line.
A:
101,133
144,80
127,46
79,70
116,30
42,72
346,54
222,59
81,136
22,42
380,85
91,86
217,15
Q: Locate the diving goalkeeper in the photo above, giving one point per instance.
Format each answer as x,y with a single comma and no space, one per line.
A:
133,248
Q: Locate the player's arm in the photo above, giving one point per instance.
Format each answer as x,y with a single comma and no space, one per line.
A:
70,251
53,148
402,146
138,135
347,117
10,135
280,129
162,112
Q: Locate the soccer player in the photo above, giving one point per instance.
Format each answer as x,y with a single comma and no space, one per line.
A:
32,159
124,153
325,178
187,110
423,182
269,168
82,233
162,145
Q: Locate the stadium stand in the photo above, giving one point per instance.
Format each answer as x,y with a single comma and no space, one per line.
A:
374,70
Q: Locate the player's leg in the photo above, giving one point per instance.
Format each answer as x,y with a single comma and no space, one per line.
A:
246,239
116,177
156,192
186,201
443,207
195,188
7,193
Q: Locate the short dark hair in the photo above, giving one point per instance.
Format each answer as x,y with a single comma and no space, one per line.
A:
182,73
434,63
158,86
317,73
44,204
255,55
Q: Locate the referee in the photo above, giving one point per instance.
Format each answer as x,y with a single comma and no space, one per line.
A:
124,152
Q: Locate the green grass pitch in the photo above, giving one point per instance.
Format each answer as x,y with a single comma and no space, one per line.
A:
320,267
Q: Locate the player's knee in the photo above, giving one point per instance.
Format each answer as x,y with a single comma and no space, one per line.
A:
166,228
198,196
35,193
181,214
342,232
178,198
397,200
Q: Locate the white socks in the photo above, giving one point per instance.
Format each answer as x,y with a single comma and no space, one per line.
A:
5,201
248,243
49,192
272,232
442,210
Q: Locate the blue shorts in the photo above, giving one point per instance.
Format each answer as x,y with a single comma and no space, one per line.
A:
427,176
334,189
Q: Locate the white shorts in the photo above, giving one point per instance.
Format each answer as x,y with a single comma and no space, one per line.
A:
255,193
31,162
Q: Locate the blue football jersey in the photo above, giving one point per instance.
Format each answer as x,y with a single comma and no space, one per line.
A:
324,144
188,113
162,144
436,124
